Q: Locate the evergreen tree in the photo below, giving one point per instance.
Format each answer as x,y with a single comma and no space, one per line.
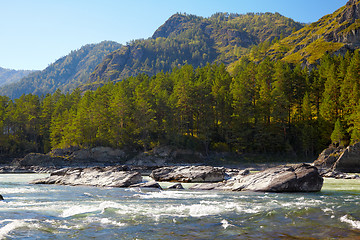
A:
338,134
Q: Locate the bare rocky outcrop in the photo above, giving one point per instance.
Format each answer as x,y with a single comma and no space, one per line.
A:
117,176
189,174
338,160
73,156
349,160
292,178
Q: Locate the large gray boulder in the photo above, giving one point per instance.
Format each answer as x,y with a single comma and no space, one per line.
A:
295,178
292,178
117,176
189,174
349,160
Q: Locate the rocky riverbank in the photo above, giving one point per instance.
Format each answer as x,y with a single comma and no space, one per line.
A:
338,162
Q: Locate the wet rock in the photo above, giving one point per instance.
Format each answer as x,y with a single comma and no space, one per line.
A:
292,178
151,184
176,186
116,176
1,198
189,174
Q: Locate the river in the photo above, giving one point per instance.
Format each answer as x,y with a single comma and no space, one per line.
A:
66,212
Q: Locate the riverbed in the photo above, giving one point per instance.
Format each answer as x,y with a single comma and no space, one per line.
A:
67,212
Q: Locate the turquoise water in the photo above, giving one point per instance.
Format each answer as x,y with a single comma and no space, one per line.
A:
65,212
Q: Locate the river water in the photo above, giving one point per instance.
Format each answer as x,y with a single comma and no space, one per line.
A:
66,212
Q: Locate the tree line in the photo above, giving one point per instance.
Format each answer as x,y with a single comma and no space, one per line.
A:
266,107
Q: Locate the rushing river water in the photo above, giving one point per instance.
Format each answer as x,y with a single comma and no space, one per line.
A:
65,212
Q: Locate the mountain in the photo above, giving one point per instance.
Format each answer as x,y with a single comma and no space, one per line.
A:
8,76
335,33
189,39
65,74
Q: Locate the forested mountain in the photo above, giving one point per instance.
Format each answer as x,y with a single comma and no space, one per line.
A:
189,39
67,73
268,107
8,76
334,33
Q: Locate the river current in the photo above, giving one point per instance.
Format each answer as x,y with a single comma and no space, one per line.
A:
67,212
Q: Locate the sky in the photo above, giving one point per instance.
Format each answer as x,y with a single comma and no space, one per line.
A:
35,33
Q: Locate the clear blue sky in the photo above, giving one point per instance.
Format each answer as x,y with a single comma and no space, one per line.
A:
35,33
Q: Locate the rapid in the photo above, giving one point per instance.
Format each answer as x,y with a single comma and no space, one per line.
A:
67,212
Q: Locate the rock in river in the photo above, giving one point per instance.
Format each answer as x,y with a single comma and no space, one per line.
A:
292,178
117,176
189,174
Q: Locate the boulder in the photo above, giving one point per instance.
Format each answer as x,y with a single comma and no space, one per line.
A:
328,157
176,186
349,160
117,176
339,159
291,178
151,184
189,174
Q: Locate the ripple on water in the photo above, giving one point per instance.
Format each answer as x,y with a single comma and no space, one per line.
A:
350,220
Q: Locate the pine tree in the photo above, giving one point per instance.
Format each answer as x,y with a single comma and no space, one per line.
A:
338,134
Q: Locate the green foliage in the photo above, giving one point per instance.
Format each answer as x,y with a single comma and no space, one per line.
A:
266,107
338,134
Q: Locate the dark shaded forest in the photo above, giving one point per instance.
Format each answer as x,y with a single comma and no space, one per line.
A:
267,107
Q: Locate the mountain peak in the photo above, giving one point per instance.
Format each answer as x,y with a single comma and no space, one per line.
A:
351,11
173,24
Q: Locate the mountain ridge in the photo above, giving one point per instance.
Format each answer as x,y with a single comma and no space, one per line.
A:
66,73
8,76
334,33
189,39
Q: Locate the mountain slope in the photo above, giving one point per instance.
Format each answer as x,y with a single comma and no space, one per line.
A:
333,33
8,76
183,39
66,73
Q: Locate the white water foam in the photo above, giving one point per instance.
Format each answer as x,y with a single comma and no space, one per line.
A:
5,230
225,224
83,209
176,195
353,223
